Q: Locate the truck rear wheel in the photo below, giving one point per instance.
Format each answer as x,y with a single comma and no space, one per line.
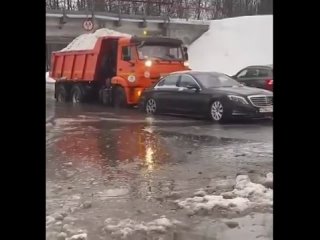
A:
61,93
77,95
119,97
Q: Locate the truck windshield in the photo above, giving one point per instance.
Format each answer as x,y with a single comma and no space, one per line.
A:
160,52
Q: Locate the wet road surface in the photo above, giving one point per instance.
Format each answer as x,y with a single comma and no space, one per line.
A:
112,174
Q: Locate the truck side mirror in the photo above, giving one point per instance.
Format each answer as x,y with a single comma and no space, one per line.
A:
185,51
186,56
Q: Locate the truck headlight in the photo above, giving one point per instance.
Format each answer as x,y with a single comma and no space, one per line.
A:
186,64
238,99
148,63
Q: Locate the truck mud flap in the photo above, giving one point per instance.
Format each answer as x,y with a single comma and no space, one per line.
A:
105,96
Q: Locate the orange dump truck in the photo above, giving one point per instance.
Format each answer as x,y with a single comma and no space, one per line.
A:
116,70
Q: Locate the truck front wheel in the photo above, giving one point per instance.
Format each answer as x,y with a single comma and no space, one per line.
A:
119,97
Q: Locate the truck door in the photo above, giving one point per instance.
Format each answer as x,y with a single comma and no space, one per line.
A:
126,61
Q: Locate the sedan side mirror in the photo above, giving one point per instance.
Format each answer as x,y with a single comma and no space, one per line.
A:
193,87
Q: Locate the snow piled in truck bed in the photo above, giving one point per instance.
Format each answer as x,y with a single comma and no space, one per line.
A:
245,195
88,40
234,43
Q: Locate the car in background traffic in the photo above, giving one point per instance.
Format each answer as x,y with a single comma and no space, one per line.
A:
256,76
211,94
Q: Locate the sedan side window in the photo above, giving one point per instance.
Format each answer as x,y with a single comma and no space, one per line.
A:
169,81
242,73
252,73
264,73
187,81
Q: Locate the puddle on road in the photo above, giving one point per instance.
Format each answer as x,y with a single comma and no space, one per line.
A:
108,144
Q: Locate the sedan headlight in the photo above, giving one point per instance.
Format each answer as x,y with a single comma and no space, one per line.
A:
238,99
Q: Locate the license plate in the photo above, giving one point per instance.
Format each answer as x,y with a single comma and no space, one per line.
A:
266,109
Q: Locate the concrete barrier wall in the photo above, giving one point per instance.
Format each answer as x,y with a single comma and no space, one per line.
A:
64,33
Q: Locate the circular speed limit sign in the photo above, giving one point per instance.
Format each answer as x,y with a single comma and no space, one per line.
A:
88,25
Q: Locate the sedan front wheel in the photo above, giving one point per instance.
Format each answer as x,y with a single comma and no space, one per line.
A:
151,106
217,111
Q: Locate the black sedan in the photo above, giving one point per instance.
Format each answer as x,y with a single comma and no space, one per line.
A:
256,76
210,94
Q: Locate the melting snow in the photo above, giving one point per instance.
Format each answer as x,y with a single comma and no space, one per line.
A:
246,194
127,227
49,79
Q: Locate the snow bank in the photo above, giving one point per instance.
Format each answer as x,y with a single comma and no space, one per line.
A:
81,236
269,180
245,195
234,43
256,193
49,79
125,228
208,202
189,21
88,40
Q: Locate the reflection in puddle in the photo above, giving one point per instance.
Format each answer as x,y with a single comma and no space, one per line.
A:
95,144
149,159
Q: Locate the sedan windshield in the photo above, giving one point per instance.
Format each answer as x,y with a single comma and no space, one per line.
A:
215,80
161,52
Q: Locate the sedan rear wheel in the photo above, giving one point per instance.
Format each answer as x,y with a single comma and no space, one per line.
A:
151,106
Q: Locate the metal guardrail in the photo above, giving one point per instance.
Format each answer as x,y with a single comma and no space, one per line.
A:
186,9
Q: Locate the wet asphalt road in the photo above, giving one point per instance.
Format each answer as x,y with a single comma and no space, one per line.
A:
105,163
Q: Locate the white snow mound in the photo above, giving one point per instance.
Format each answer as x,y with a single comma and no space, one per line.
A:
233,43
87,41
81,236
49,79
245,195
125,228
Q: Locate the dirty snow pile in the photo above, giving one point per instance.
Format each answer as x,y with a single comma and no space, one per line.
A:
125,228
234,43
245,195
61,226
49,79
88,40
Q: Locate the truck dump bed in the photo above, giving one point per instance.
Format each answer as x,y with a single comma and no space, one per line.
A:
79,65
74,65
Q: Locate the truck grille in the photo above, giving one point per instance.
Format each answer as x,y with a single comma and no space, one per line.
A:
261,100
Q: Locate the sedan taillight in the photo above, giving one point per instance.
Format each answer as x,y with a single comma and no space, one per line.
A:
269,84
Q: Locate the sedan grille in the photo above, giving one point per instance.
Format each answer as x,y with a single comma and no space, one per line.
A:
261,100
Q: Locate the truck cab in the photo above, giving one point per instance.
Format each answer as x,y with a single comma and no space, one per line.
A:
141,62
